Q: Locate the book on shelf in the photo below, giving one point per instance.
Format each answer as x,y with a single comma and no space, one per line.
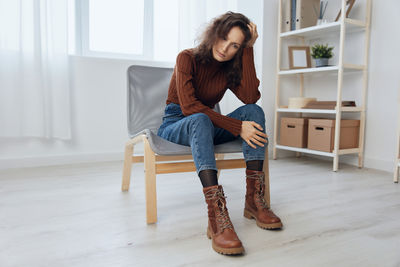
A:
328,104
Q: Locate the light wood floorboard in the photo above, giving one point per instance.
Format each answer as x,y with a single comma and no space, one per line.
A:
76,215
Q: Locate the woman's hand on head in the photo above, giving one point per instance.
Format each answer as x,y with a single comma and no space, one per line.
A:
252,133
254,34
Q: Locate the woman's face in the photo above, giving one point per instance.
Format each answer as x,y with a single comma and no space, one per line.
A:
225,49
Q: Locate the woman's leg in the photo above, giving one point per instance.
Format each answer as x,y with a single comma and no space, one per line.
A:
255,205
251,112
197,131
208,177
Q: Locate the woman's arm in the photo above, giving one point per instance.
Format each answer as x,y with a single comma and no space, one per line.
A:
247,91
187,98
251,131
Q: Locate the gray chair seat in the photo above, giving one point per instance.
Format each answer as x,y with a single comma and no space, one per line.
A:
164,147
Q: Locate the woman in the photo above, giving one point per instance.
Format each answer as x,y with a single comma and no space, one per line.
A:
222,60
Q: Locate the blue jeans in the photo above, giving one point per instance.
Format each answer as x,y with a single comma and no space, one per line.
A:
198,132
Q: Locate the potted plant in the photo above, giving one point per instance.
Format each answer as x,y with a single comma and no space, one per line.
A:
321,53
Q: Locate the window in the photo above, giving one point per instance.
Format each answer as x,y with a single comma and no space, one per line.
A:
118,29
139,29
166,38
135,29
116,26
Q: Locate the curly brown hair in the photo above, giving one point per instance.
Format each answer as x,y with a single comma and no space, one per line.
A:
218,29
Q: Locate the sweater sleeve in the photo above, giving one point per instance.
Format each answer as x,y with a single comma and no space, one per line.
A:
188,101
247,91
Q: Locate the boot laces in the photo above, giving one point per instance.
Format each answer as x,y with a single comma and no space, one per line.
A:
259,188
222,217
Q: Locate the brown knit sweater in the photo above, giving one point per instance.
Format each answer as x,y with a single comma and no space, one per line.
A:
198,87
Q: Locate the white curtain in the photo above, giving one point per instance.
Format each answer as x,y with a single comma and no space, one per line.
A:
194,16
34,71
181,21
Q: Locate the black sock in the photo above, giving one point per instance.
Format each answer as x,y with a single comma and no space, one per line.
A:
208,177
255,165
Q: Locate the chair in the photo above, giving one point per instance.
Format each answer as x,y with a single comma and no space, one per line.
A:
147,92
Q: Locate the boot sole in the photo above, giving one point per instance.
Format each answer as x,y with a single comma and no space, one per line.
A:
224,251
269,226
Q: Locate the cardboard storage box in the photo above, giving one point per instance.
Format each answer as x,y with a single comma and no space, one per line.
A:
294,132
321,134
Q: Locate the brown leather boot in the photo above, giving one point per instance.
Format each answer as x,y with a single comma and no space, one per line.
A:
220,228
255,205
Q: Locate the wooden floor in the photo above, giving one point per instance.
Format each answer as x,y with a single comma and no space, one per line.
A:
76,215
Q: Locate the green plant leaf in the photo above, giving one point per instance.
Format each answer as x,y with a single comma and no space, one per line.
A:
321,51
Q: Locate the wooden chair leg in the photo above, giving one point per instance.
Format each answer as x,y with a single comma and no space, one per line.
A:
126,174
266,172
150,176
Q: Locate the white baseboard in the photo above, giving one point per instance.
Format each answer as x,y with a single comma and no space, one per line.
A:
59,160
384,165
371,163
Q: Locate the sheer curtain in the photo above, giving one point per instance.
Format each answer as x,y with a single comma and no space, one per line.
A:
194,16
34,71
178,23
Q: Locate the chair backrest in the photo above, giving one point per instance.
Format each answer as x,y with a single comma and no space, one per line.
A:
147,93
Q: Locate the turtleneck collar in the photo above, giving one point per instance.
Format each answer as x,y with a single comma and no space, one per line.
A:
216,63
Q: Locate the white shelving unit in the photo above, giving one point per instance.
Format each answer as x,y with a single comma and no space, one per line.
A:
341,27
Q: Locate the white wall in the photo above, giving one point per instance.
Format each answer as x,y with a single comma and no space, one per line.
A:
99,89
384,85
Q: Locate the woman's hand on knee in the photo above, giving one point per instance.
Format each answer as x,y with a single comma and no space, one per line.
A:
252,133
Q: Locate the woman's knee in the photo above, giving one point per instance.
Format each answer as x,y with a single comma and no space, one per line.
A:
255,111
201,120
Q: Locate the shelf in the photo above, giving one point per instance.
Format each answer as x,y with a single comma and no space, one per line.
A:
317,152
305,150
308,70
352,25
346,67
320,111
352,109
352,67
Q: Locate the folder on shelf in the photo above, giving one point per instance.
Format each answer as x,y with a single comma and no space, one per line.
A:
286,15
293,15
305,13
